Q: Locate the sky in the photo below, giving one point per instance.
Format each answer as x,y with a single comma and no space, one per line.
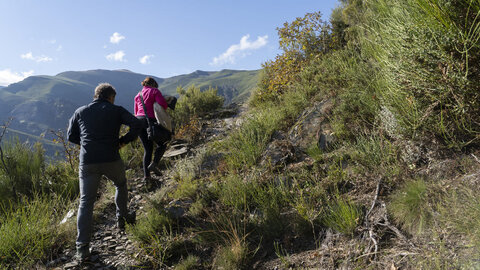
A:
153,37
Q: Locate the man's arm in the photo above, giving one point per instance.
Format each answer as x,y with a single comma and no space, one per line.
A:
133,123
73,132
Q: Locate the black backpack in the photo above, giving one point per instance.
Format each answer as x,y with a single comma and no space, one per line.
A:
171,101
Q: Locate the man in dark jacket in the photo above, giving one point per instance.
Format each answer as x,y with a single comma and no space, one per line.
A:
95,127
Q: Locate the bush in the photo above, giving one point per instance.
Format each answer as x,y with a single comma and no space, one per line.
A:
195,103
301,40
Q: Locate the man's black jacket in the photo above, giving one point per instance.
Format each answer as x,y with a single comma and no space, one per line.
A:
96,126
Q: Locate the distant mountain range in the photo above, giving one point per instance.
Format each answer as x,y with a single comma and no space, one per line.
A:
41,103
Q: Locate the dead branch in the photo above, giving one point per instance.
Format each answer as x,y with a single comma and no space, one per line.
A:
374,199
390,226
476,158
370,226
71,152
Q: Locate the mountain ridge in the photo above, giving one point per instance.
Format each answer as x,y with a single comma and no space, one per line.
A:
40,103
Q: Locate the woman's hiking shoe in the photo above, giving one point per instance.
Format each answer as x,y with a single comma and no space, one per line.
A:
129,219
83,253
154,168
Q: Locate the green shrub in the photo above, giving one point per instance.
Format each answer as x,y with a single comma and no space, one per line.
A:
132,155
377,154
271,200
194,102
61,180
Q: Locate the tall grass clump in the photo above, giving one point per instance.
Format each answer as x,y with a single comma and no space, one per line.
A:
22,173
409,206
343,216
155,235
246,144
411,58
30,232
460,211
376,153
423,52
33,196
230,231
26,173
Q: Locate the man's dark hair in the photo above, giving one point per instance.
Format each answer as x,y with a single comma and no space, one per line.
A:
104,91
149,81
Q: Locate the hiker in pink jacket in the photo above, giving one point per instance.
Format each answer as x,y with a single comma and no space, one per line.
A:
150,94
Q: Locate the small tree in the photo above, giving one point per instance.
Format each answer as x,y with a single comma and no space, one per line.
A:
301,41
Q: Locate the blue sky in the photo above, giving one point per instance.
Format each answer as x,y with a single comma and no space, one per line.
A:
160,38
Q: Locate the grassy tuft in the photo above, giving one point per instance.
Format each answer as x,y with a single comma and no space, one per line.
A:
190,263
409,206
343,216
28,234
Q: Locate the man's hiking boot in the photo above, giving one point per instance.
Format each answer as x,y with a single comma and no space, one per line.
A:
83,253
153,167
129,219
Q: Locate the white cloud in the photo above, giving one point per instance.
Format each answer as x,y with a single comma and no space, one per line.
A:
59,48
240,50
8,77
118,56
145,59
116,38
38,59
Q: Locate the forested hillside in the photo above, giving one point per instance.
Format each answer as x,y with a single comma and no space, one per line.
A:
358,150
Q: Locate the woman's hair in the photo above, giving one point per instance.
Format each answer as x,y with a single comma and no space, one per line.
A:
104,91
149,81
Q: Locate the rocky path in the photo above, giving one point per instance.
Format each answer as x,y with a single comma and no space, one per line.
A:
112,248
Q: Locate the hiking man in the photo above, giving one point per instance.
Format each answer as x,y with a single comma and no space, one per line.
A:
95,127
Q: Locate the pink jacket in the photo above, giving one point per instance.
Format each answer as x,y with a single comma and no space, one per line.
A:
150,96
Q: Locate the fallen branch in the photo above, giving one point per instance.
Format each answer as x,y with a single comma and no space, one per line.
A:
369,226
374,199
390,226
476,158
